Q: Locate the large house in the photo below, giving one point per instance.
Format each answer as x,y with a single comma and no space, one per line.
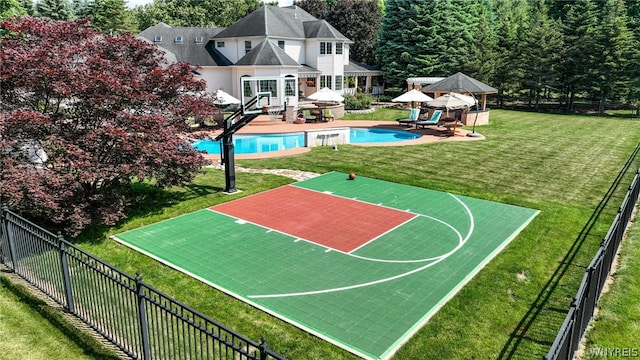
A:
283,42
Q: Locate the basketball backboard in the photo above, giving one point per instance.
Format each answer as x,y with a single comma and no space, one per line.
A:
258,92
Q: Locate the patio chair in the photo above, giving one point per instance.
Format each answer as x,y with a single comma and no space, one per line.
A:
433,120
413,117
308,117
327,115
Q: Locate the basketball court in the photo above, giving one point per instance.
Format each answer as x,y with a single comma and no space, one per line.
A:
361,263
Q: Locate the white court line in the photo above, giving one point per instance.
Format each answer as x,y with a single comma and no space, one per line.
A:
379,281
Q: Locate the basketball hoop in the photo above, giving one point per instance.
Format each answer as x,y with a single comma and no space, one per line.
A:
274,111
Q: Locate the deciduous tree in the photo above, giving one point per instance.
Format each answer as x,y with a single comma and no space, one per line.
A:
194,13
317,8
358,20
84,115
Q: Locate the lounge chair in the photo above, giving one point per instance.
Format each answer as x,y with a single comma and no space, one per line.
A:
308,117
413,117
433,120
327,115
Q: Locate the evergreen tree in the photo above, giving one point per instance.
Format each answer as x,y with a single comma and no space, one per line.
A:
633,14
402,49
541,53
358,20
457,22
511,28
427,37
481,61
54,9
615,47
27,6
110,16
580,57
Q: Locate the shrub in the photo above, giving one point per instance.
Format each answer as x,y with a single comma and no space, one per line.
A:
359,101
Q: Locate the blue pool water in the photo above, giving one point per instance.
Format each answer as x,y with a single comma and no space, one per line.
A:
251,144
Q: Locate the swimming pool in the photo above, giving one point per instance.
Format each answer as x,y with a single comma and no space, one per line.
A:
260,143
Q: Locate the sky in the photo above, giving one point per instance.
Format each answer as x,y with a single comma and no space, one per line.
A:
133,3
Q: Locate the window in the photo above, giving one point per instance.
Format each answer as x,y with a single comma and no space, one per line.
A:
338,85
270,86
325,81
338,48
199,39
247,46
289,87
281,44
311,82
178,39
158,38
220,44
325,48
247,89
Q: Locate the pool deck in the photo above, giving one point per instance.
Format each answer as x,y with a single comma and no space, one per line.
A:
429,134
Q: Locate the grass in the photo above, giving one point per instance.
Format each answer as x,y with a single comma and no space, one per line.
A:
619,307
31,330
562,165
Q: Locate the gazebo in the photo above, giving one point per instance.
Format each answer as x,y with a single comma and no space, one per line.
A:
462,83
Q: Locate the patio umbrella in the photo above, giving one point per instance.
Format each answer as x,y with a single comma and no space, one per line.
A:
452,101
413,96
326,95
223,98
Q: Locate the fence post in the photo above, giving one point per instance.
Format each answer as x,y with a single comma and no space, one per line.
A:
8,230
65,274
264,349
142,318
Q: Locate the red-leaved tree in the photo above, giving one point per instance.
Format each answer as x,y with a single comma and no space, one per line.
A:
84,115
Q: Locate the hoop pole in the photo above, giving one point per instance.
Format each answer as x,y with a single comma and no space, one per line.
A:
229,158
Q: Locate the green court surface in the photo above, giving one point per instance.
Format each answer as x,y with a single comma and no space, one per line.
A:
368,301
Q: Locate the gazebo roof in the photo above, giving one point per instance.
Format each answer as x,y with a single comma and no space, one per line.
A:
460,82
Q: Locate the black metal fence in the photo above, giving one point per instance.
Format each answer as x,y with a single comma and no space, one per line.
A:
584,304
140,320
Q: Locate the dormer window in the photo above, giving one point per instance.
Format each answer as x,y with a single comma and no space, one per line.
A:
178,39
281,44
220,44
199,39
158,38
247,46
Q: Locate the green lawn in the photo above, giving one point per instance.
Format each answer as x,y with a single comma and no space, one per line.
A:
620,307
562,165
30,330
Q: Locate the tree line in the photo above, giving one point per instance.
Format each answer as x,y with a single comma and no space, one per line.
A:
530,50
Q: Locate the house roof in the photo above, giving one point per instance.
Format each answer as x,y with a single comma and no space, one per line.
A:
290,22
359,69
307,70
321,29
188,49
267,53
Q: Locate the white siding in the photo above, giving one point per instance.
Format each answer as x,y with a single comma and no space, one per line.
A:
296,49
311,52
217,78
